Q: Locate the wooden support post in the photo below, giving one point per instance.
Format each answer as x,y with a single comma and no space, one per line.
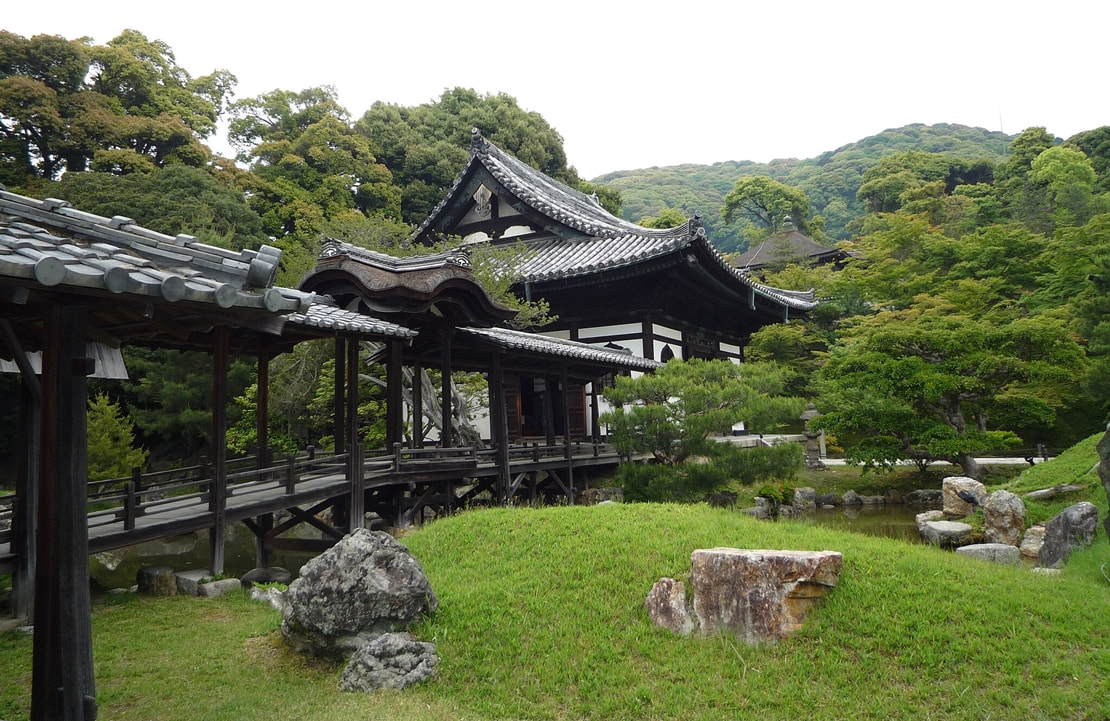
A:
418,405
565,382
262,409
62,667
264,524
595,412
394,398
338,395
24,512
446,439
357,511
499,427
549,408
217,499
352,398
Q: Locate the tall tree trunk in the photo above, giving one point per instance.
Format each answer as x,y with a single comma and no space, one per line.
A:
970,466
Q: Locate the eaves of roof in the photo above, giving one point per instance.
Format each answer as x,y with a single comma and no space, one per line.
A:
515,340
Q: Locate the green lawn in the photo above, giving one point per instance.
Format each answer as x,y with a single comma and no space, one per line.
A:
542,617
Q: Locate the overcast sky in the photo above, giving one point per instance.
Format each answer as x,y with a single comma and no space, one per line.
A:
638,84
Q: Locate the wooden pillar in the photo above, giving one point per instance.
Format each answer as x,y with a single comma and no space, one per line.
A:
446,437
352,400
25,511
338,416
356,509
499,427
565,382
262,409
647,335
418,405
595,412
62,668
264,524
25,508
549,408
217,497
394,398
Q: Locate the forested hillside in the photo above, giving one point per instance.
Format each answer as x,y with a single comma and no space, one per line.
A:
972,316
830,180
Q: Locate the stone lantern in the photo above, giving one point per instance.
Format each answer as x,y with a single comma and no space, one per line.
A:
815,442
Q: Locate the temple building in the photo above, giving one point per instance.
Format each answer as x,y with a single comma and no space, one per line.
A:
659,294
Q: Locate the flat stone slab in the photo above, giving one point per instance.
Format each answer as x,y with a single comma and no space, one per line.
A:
945,533
994,552
759,595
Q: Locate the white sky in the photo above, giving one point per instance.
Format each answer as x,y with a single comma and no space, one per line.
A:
634,84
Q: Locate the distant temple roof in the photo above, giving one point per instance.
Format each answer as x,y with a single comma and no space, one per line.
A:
573,236
789,245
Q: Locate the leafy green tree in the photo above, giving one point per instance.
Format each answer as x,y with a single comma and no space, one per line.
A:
1095,144
426,146
1069,179
673,412
667,218
171,200
767,203
111,441
794,347
927,384
122,107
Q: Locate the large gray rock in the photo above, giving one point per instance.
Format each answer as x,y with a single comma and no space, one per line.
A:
926,498
1002,553
1003,518
1032,541
666,606
392,660
954,506
156,581
1072,528
759,595
366,585
946,533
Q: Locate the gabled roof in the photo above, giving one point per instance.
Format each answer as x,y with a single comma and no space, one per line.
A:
791,244
536,343
416,289
575,236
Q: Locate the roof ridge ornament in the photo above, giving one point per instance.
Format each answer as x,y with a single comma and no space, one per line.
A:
478,143
332,248
460,256
697,228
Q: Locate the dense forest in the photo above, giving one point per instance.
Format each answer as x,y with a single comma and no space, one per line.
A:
971,316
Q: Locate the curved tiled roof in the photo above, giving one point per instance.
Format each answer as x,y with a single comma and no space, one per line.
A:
118,256
558,347
610,242
335,319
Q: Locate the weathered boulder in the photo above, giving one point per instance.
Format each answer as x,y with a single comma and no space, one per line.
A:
273,596
1047,494
723,499
1072,528
805,498
366,585
954,506
666,606
827,499
594,496
1104,470
1002,553
946,533
922,518
759,595
926,498
1032,541
271,574
156,581
217,588
1003,518
851,498
392,660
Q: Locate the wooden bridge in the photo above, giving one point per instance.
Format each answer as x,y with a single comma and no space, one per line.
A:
403,487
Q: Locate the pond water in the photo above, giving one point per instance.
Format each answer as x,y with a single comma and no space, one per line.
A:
891,521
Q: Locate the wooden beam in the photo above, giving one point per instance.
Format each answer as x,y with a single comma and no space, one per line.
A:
262,409
446,439
217,498
394,403
62,667
338,396
418,404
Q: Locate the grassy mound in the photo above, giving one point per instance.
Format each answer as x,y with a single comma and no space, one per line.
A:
542,617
